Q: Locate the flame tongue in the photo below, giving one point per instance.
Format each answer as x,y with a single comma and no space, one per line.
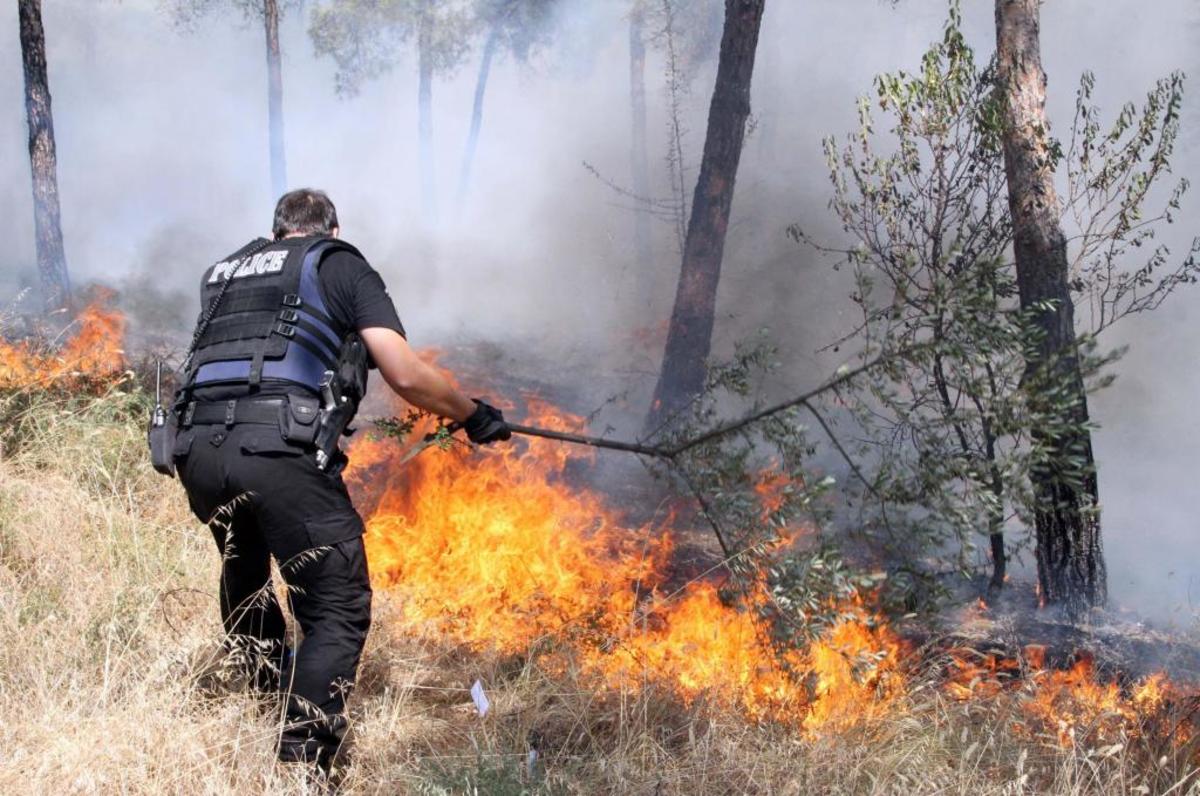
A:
499,550
496,550
95,349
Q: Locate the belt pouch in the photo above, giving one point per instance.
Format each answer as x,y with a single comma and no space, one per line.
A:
298,419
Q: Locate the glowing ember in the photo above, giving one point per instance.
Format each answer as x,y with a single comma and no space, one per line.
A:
94,349
973,675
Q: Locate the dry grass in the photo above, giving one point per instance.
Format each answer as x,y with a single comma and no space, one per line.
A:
107,603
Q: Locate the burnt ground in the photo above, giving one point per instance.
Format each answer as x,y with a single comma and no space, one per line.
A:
1122,645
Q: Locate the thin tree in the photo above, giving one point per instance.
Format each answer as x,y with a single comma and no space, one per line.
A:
187,12
945,428
425,107
364,36
638,158
517,26
275,97
1070,560
481,81
689,335
43,161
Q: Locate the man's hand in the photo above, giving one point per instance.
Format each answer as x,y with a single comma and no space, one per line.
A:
486,425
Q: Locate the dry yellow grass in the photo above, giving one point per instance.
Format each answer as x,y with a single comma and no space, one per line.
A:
107,606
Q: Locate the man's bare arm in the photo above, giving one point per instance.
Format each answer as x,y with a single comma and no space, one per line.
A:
412,379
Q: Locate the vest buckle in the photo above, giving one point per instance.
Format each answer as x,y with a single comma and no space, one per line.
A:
188,413
230,413
289,316
285,330
292,300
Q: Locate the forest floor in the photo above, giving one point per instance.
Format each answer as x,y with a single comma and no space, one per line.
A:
108,619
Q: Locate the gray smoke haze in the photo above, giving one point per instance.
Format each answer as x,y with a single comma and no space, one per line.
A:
163,168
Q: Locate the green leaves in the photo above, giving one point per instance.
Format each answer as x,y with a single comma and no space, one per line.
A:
1114,202
399,428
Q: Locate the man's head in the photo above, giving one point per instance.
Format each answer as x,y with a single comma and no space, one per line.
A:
304,212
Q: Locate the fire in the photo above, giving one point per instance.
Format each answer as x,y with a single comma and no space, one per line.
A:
857,673
499,550
771,487
94,349
1077,703
974,675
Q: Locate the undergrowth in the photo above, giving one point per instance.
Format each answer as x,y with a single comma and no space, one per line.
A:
108,621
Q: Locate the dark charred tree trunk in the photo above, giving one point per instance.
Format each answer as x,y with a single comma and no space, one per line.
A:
425,110
1070,560
637,156
275,97
689,336
485,69
43,163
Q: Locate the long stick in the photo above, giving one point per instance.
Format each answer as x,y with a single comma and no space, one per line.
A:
834,383
595,442
719,431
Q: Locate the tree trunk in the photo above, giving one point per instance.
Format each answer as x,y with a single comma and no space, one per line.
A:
637,156
689,336
996,523
485,69
1070,560
47,217
275,97
425,111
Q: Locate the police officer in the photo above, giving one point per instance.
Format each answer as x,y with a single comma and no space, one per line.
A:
287,330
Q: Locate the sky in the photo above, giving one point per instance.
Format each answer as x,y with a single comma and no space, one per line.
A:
163,168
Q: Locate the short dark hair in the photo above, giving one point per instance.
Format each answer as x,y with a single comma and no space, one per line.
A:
304,211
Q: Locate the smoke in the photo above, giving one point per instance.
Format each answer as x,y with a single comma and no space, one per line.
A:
163,168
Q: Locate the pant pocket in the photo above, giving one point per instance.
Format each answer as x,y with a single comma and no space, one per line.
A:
329,529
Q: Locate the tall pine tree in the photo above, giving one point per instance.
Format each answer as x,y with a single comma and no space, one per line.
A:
43,161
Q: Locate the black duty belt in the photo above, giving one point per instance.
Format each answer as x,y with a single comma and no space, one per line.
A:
232,413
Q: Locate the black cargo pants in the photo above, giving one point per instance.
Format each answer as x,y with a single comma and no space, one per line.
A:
265,497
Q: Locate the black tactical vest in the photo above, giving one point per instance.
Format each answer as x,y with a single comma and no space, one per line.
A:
272,322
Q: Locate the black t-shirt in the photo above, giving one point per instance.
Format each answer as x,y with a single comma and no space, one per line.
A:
356,298
355,295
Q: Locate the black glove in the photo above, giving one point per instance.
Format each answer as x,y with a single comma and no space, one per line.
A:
486,425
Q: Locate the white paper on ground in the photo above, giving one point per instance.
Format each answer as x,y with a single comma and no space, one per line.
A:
481,700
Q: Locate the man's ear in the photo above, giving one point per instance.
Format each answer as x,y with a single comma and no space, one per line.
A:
335,232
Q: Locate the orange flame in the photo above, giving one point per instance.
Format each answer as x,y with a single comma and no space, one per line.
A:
94,349
1076,702
500,550
974,675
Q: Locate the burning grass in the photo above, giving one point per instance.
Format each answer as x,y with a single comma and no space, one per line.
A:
90,349
501,551
502,567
